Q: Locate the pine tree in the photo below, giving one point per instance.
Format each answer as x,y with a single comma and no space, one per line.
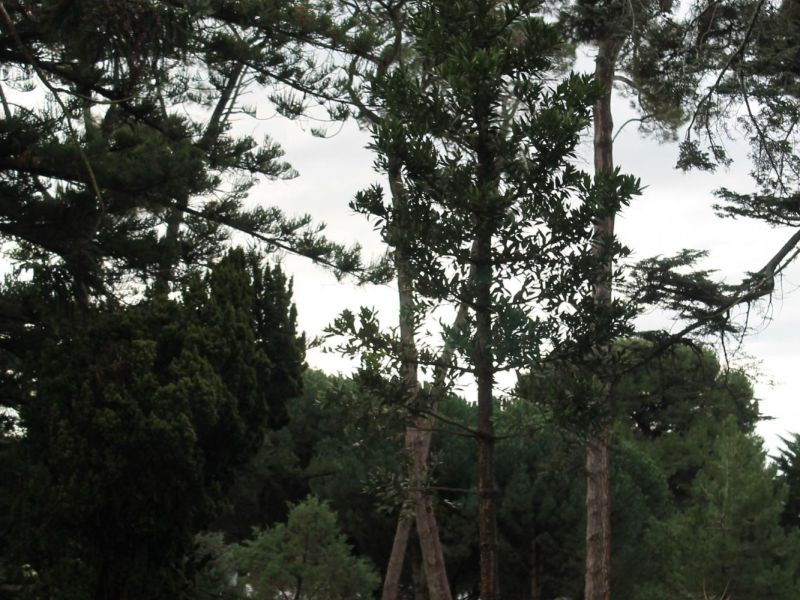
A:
741,56
308,557
108,179
728,542
788,462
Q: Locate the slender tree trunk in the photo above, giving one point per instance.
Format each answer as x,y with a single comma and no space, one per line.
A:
487,520
394,569
417,575
417,435
483,360
484,217
484,220
427,528
598,519
598,494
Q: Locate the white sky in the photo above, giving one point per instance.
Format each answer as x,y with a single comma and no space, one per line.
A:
673,213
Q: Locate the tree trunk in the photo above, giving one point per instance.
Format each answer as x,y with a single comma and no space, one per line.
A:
484,372
394,570
597,585
417,575
417,445
391,587
485,222
417,435
427,528
598,519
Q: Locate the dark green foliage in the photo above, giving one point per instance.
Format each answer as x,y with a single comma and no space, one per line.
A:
345,446
350,449
672,412
678,388
338,445
145,417
788,463
482,143
275,319
540,512
752,45
673,398
728,540
651,61
659,390
676,401
135,423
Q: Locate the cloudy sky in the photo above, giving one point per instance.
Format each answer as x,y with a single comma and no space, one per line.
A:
674,212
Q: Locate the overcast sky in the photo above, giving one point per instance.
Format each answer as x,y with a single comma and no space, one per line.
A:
674,212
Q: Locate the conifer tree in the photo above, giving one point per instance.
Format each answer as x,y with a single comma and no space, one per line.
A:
308,557
728,541
108,179
788,462
646,51
739,56
373,37
134,421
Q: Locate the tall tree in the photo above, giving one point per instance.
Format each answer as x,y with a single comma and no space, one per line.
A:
628,39
91,175
376,42
484,151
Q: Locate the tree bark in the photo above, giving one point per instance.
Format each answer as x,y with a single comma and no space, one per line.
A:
484,370
484,219
417,575
427,527
391,587
598,519
597,584
394,569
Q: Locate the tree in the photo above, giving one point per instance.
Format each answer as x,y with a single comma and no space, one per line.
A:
306,559
665,417
113,181
631,41
745,49
339,442
788,462
728,542
541,503
372,36
110,189
484,153
134,422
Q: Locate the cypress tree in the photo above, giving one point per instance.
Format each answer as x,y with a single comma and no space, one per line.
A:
135,422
